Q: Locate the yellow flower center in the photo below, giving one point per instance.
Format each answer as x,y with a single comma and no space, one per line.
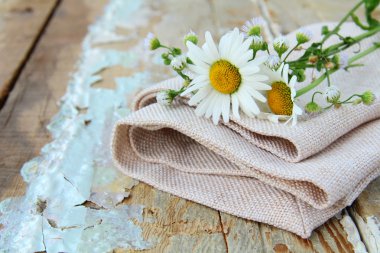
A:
280,99
224,77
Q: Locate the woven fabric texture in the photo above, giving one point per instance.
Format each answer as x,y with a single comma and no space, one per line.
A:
294,178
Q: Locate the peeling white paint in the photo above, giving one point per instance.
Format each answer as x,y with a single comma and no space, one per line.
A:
353,235
76,166
369,229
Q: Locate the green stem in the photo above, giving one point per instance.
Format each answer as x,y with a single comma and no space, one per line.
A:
315,93
356,39
286,57
320,79
328,77
336,29
355,95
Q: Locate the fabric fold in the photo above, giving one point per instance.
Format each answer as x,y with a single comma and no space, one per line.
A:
294,178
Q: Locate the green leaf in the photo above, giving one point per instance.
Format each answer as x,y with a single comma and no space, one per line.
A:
359,23
370,6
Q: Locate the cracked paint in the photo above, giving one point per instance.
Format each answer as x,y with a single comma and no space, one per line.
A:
76,166
353,235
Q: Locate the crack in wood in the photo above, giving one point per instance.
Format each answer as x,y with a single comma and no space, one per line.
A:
8,86
222,228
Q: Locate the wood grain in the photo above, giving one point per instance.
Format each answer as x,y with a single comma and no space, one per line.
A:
33,101
21,24
170,222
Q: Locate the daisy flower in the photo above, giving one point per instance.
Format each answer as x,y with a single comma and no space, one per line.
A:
253,26
281,98
225,76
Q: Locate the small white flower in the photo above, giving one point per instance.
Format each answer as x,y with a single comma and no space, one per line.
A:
253,26
191,36
163,98
151,42
303,35
280,45
332,94
178,62
273,61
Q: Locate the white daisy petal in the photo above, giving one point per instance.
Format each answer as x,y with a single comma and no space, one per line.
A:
207,50
198,70
213,101
260,86
285,73
196,53
249,70
200,95
246,101
197,61
256,78
226,105
217,111
194,87
211,44
235,106
255,94
243,59
260,60
200,79
202,107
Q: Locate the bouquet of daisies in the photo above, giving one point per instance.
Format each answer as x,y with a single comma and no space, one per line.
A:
244,74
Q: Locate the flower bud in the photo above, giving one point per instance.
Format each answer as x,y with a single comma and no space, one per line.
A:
151,42
257,43
273,61
312,107
368,97
163,98
192,37
329,65
178,62
280,45
303,36
332,94
313,59
253,27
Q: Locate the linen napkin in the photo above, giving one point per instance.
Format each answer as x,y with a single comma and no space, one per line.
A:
294,178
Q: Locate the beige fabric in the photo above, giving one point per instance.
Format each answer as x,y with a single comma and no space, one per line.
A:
294,178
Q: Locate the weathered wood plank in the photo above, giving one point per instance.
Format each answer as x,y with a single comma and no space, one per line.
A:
366,214
21,23
33,101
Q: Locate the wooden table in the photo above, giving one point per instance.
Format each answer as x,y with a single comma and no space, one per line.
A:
40,41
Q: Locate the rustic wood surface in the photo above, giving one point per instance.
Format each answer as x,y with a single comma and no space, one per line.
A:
38,63
22,23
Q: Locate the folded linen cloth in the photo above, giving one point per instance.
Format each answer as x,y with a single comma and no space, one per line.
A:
294,178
